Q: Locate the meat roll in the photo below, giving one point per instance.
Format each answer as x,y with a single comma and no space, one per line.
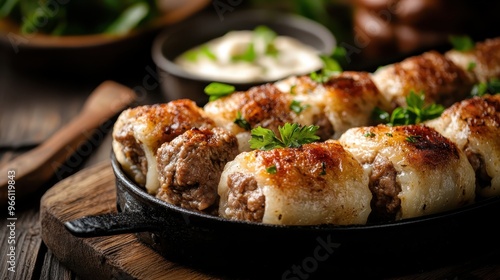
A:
441,80
318,183
264,106
482,62
413,170
138,133
190,166
474,125
347,99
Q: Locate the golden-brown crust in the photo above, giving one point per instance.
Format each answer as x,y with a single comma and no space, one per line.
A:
474,125
435,75
303,84
428,146
422,145
265,106
262,105
352,85
163,121
431,172
177,116
347,99
317,183
482,114
145,128
312,164
354,94
440,79
488,59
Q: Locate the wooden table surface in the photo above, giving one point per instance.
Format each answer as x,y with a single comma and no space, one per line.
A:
34,103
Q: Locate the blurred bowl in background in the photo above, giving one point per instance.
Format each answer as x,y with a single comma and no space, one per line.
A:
86,54
177,83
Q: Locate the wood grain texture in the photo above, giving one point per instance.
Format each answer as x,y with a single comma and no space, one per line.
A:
38,165
52,269
90,192
27,239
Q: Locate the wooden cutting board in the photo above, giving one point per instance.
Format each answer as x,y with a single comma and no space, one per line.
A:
91,192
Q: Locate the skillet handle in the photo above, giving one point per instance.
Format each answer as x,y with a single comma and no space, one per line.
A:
112,224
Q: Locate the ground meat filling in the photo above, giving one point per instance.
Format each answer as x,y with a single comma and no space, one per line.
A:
483,180
245,199
190,166
385,203
188,197
135,154
326,130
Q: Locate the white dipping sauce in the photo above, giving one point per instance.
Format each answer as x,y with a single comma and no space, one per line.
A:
292,58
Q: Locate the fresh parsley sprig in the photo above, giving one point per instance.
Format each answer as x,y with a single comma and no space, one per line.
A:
461,42
414,113
331,65
268,35
291,136
297,107
249,55
490,87
204,50
260,33
242,122
217,90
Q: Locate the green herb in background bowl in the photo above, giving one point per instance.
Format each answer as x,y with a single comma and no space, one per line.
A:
114,17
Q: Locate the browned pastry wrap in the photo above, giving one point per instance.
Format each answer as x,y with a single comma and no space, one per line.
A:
318,183
474,125
413,170
138,133
441,80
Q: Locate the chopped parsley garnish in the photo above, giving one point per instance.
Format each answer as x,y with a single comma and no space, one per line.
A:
369,134
296,107
291,136
330,67
389,134
241,122
217,90
461,42
260,33
204,50
339,54
249,55
491,87
412,138
414,113
266,34
471,66
323,168
271,169
479,89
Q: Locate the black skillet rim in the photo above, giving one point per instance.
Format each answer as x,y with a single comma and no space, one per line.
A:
140,192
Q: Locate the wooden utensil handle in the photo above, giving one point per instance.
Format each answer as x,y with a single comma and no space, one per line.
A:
31,169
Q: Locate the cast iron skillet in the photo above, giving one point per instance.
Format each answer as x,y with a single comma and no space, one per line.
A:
235,248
